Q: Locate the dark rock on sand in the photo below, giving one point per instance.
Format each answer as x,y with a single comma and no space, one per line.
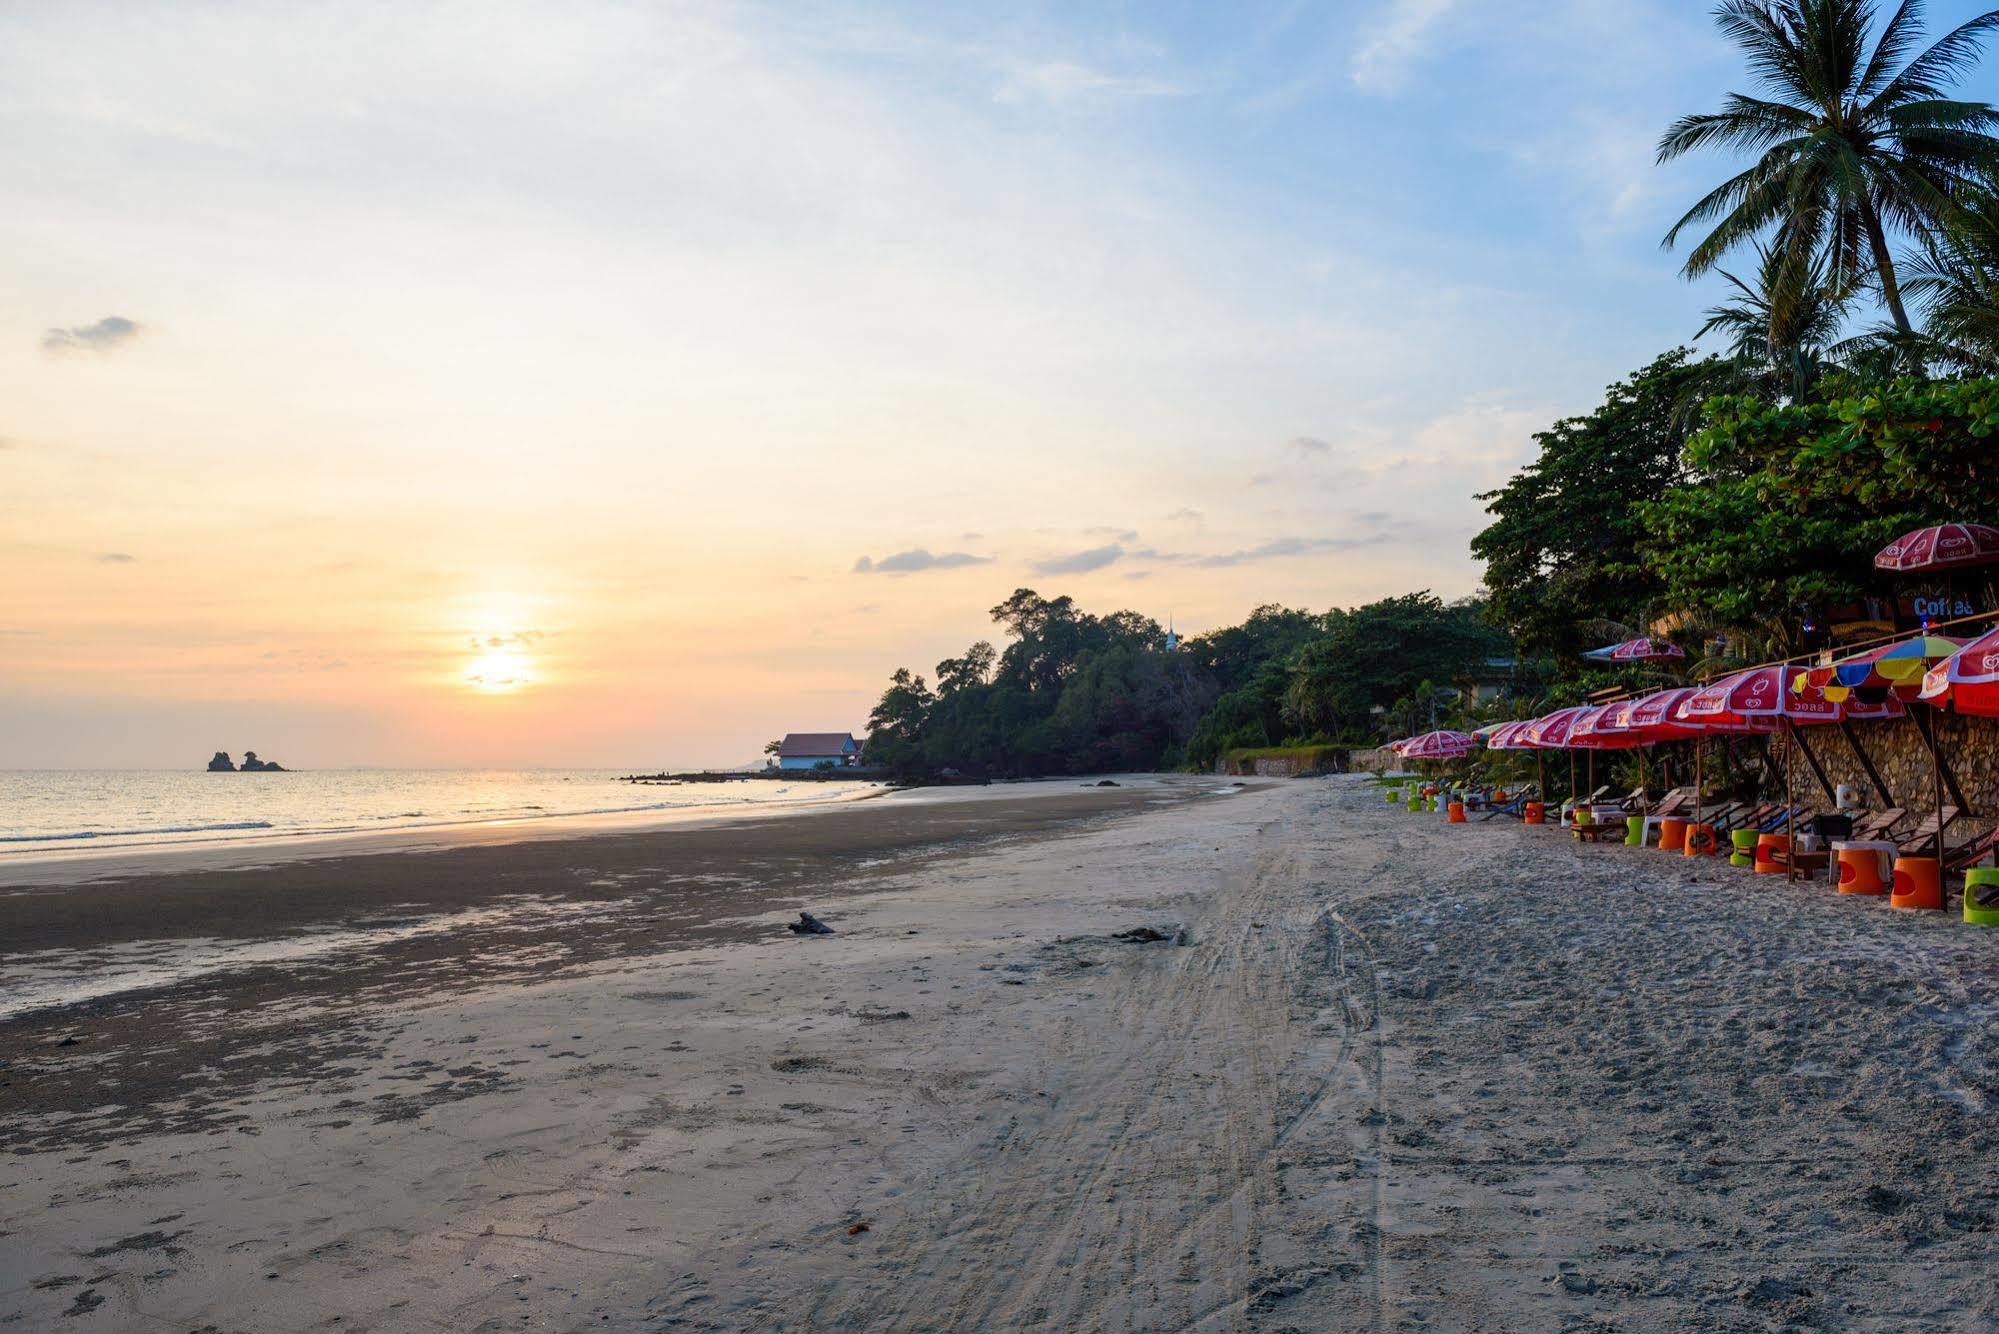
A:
808,925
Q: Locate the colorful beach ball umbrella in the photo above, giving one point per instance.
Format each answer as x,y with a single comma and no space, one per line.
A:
1444,745
1968,680
1636,650
1897,668
1943,546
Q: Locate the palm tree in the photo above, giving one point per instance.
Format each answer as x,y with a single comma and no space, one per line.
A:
1849,148
1788,316
1956,279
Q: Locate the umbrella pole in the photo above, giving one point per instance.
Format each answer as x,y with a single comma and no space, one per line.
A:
1790,812
1928,725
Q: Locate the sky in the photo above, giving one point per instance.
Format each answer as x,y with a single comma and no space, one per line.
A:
627,384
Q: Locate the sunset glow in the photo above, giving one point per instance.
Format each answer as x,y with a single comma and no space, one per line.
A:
752,353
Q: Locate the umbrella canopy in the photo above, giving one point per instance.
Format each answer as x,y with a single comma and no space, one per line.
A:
1507,736
1944,546
1445,745
1896,668
1551,731
1597,729
1753,701
1968,680
1636,650
1652,716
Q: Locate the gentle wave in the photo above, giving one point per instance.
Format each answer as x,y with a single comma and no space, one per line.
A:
78,834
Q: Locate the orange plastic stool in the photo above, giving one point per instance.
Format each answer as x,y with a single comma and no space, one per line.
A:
1536,813
1860,872
1765,845
1918,884
1457,813
1700,840
1673,835
1499,796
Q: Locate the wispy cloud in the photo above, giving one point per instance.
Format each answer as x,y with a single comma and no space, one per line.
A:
110,332
1082,562
917,561
117,558
1309,446
1394,42
1062,83
1275,549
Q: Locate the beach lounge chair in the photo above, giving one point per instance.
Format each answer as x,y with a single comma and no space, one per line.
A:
1873,828
1964,858
1515,806
1922,840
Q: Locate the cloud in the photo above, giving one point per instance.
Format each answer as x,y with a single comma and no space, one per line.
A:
1276,549
1395,42
116,558
110,332
1082,562
1185,515
1309,446
917,561
1060,83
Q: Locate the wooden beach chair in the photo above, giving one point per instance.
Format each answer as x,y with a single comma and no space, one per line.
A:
1962,859
1873,828
1922,840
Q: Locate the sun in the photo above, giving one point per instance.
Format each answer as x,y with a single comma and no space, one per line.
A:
499,669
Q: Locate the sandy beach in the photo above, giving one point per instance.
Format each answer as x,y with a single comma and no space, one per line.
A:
1395,1074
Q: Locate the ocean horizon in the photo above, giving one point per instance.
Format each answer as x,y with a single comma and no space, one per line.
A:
49,811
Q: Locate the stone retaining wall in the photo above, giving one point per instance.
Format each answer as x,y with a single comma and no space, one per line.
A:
1970,747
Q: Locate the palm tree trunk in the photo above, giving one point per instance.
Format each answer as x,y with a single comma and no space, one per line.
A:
1884,264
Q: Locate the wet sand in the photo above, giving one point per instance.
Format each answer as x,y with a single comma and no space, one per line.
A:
1400,1074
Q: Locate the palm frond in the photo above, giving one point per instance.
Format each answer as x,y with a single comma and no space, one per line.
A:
1951,57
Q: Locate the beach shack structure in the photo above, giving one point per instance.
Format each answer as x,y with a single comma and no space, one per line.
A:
810,750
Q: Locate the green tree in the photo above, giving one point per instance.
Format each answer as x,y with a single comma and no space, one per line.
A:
1562,550
1849,146
1955,278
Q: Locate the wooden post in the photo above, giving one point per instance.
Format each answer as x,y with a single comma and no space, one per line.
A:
1927,725
1818,771
1866,762
1790,811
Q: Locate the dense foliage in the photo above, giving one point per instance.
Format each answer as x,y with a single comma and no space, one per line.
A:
1075,693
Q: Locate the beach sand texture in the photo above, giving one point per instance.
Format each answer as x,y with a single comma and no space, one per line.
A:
1400,1074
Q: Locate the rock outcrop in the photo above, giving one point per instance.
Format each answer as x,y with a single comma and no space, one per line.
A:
251,764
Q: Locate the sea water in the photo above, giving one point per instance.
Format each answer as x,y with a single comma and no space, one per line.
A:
58,810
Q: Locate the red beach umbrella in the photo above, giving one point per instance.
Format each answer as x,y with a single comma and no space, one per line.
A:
1637,650
1444,745
1597,729
1943,546
1652,716
1551,731
1968,680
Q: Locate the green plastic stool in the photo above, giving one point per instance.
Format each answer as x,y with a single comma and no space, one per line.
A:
1394,795
1634,831
1415,804
1981,882
1744,843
